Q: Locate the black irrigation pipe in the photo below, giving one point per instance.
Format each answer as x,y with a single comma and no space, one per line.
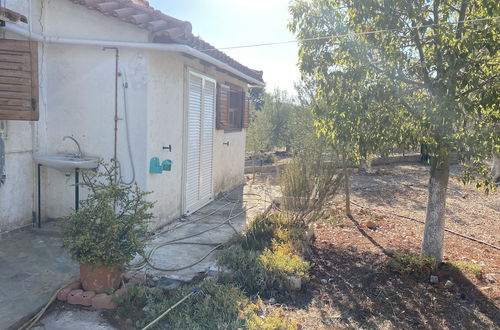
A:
422,222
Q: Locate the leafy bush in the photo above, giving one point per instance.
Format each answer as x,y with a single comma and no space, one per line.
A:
265,256
247,272
110,226
131,303
412,264
259,234
306,184
215,306
282,261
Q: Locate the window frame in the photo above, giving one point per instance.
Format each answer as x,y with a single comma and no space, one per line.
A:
19,96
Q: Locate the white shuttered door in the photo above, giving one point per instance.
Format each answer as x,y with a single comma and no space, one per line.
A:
200,133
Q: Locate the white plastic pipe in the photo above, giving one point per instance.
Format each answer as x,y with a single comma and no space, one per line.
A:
176,48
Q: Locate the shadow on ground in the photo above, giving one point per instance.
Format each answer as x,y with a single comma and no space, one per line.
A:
355,289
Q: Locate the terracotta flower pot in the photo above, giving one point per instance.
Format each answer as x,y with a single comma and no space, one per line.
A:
100,278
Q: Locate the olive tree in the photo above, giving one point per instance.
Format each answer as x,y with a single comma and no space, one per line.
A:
435,62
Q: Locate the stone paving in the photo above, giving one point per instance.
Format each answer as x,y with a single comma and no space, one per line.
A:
33,265
221,219
78,319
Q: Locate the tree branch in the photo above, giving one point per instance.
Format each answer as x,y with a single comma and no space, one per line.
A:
437,41
473,89
418,42
453,66
397,77
461,18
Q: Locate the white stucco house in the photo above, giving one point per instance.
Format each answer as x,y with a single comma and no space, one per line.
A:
128,82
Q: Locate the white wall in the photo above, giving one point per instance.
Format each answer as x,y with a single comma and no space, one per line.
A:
229,161
77,98
16,196
166,115
165,123
81,102
80,97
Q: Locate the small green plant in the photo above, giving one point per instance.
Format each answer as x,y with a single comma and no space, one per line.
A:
215,306
306,185
412,264
259,234
131,303
275,321
111,224
282,261
470,267
265,256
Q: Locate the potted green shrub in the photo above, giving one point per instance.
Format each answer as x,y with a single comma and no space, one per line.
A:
108,230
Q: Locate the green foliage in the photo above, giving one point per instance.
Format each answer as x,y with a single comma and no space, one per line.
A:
257,97
132,302
282,261
111,224
412,264
306,184
275,321
281,123
470,267
215,306
404,72
481,175
258,138
422,78
266,255
247,271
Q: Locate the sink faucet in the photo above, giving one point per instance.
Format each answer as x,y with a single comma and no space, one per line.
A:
79,154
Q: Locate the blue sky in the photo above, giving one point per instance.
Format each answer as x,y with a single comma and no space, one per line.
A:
226,23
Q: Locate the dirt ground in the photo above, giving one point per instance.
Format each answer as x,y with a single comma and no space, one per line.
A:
351,285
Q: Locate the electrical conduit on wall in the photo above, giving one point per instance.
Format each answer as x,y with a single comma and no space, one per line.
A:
2,161
176,48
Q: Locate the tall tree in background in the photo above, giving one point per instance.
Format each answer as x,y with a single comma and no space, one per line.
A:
272,124
435,63
257,97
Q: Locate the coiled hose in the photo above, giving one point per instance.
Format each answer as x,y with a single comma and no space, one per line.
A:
147,258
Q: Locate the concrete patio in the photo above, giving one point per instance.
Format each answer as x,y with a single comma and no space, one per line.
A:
33,264
214,224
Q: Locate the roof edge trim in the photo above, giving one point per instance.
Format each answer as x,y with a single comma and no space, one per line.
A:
177,48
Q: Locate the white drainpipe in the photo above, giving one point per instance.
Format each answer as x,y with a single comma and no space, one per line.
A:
176,48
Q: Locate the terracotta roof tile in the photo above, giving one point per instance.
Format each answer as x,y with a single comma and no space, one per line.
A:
12,16
165,29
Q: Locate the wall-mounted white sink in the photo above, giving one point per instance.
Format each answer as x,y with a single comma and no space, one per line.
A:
67,162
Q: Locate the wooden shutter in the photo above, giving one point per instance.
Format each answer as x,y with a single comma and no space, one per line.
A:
18,80
245,121
222,115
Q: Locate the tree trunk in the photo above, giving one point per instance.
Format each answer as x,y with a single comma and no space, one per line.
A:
495,170
253,166
346,187
436,205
